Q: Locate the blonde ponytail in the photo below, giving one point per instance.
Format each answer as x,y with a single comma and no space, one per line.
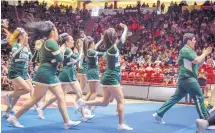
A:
13,38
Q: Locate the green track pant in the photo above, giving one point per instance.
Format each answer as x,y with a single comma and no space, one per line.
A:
194,90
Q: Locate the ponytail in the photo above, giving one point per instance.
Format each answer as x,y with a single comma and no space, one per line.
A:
62,38
87,41
40,29
85,46
110,37
13,38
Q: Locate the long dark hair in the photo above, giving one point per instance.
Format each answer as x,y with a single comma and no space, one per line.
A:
110,36
87,42
39,29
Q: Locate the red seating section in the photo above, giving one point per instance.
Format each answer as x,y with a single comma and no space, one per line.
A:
135,76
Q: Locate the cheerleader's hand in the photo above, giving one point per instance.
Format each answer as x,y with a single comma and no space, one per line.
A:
102,36
6,32
84,35
26,44
5,23
75,50
122,25
38,44
80,67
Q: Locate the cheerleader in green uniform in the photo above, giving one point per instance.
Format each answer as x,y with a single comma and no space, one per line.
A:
82,70
45,77
67,75
35,59
111,77
93,69
18,71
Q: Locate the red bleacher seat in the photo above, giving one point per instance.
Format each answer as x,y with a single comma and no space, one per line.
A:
132,64
124,75
138,76
133,69
131,76
157,78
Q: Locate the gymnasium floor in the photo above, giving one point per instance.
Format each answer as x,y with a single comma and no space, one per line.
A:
138,114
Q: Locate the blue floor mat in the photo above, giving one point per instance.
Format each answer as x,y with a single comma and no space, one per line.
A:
180,119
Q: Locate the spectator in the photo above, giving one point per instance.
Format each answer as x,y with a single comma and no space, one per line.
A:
128,67
141,60
133,50
168,76
202,78
154,38
162,8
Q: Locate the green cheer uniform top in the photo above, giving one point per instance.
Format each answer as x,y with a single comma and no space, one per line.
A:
187,69
49,56
67,75
93,69
111,76
19,62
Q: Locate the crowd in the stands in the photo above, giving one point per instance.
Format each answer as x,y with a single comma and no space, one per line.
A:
151,50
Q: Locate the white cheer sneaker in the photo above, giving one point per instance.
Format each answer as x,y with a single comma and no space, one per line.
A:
158,118
13,121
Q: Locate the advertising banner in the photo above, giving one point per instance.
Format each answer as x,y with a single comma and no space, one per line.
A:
191,7
130,11
207,7
145,10
111,11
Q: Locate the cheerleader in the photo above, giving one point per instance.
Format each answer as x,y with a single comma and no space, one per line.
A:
18,71
35,59
93,70
202,125
111,77
4,27
67,75
82,70
45,77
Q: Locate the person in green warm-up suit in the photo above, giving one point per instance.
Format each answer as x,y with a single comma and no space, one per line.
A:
189,63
